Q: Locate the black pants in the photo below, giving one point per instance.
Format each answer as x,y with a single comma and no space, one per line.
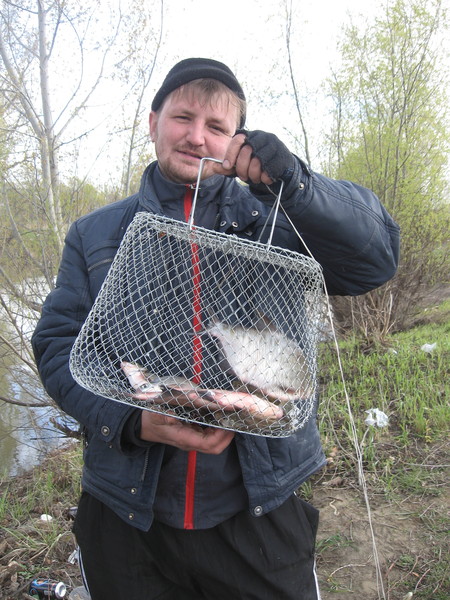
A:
245,558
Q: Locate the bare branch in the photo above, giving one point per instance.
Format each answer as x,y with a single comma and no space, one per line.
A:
293,81
25,404
20,90
146,78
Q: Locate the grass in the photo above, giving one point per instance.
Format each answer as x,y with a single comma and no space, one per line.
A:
331,543
29,546
409,384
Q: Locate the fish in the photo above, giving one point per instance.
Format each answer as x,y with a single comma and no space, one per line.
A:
264,358
160,390
249,409
139,379
254,405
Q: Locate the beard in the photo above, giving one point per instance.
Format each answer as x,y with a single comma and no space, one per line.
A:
181,165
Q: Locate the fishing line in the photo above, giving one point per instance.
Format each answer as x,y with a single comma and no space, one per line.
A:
359,457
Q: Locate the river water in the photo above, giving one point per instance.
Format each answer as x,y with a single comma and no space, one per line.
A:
26,434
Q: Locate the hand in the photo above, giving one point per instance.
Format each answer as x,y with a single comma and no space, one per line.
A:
257,157
164,429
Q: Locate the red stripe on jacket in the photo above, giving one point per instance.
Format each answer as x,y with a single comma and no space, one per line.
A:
196,366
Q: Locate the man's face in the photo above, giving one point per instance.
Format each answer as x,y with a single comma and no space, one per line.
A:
185,130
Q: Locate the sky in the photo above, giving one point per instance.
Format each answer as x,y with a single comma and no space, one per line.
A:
245,33
248,35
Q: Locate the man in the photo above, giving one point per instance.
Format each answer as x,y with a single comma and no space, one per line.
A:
170,509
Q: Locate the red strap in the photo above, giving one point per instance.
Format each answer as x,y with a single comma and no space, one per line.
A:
197,363
190,490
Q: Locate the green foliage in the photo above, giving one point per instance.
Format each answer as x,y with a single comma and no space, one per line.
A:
391,135
32,546
79,198
28,244
406,382
136,171
406,463
46,487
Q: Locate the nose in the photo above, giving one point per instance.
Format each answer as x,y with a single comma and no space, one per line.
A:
196,133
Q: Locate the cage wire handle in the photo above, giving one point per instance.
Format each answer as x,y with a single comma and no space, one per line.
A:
275,208
197,186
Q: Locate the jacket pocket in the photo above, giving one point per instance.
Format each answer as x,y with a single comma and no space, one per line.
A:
113,470
99,258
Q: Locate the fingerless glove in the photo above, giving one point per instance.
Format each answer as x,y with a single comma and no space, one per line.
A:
276,160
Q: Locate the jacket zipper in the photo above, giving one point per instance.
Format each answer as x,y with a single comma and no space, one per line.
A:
144,470
196,367
98,263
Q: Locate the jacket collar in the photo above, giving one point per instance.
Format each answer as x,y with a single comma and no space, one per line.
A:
239,211
156,190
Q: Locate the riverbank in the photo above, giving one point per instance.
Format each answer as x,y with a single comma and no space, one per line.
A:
406,467
409,524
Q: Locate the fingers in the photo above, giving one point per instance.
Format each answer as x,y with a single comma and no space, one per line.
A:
164,429
238,161
209,440
233,150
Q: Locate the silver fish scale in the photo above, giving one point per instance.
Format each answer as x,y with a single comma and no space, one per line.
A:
239,320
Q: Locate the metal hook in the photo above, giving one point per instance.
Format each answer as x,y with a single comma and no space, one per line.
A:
197,186
275,209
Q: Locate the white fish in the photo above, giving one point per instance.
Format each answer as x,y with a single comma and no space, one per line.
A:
265,359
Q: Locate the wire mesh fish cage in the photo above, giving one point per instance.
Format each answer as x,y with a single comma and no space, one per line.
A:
205,327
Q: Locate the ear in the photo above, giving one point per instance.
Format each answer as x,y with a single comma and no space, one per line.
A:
153,120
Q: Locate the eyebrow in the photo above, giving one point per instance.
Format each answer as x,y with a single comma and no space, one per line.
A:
189,113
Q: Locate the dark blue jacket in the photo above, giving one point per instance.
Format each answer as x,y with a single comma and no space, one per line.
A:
347,230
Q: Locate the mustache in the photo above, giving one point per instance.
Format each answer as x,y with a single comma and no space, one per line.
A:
191,152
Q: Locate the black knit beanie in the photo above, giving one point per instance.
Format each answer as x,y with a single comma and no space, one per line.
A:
197,68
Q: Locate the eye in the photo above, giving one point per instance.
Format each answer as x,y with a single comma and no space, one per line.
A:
218,129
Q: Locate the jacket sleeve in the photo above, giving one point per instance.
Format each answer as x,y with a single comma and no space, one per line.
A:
344,226
63,315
